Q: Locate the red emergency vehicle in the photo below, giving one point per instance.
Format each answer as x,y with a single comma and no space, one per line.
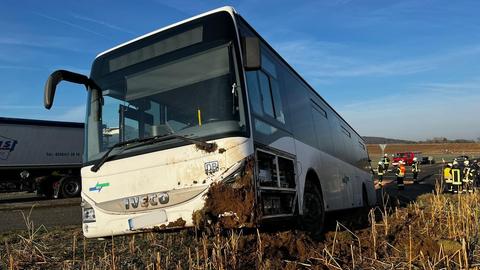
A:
407,157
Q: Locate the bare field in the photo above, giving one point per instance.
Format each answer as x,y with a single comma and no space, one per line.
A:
438,150
435,232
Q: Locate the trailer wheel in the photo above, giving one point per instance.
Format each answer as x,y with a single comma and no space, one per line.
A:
70,187
313,210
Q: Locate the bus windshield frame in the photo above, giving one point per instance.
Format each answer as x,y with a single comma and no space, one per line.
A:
202,94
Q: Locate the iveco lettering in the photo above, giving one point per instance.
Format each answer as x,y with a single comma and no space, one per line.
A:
205,113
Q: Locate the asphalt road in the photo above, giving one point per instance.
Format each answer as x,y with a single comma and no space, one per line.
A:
68,212
427,178
16,210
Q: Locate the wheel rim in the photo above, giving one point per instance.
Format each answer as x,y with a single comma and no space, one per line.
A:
71,187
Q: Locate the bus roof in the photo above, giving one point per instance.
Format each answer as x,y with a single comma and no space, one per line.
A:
228,9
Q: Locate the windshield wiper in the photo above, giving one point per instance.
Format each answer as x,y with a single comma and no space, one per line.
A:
146,141
106,156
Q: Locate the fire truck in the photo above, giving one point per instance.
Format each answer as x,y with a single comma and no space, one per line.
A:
407,157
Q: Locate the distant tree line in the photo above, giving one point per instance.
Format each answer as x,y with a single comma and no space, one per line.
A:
445,140
382,140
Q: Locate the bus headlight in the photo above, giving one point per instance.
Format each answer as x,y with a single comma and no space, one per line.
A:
88,213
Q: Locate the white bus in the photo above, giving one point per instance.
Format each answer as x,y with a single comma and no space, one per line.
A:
203,121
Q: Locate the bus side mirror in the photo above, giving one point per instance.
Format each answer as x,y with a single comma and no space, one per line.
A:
251,53
55,78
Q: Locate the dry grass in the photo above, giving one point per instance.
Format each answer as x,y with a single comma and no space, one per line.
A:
435,232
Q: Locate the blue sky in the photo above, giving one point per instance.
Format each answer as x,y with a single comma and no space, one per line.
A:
401,69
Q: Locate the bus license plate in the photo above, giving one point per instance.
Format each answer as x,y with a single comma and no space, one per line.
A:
148,220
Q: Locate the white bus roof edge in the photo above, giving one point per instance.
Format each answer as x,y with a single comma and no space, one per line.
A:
228,9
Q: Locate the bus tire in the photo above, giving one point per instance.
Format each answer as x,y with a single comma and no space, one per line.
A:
70,187
362,213
365,202
313,217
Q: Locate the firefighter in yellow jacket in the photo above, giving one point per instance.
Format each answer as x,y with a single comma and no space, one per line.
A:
447,177
400,173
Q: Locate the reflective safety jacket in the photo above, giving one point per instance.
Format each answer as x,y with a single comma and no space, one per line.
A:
400,171
380,170
468,174
456,176
415,167
386,160
447,173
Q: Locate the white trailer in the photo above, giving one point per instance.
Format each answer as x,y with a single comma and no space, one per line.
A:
45,156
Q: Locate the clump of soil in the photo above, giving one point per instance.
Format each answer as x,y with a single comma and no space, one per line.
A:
229,205
174,224
287,245
208,147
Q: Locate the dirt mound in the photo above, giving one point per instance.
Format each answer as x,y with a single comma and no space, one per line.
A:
229,204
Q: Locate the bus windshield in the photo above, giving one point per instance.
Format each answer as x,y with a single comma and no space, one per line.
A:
182,84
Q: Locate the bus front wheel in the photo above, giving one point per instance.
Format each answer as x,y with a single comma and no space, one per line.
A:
313,216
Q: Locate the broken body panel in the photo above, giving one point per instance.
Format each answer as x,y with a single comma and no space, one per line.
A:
155,189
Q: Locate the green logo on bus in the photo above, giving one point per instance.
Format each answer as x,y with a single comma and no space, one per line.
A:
98,187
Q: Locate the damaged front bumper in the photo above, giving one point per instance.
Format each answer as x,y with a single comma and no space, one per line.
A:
230,202
227,200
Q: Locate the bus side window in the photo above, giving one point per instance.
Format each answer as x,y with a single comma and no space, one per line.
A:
264,91
322,129
342,146
277,101
266,96
254,92
271,100
269,70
